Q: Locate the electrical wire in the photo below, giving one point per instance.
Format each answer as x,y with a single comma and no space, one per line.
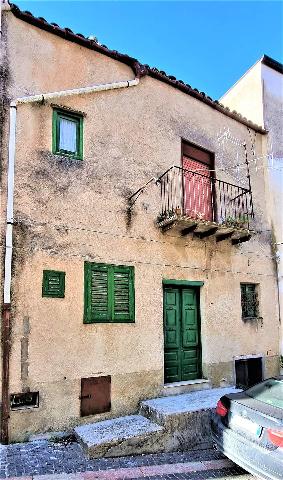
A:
125,261
85,229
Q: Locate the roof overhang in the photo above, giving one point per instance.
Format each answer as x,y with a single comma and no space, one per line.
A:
139,69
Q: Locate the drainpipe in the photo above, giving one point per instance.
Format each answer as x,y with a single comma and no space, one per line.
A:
6,311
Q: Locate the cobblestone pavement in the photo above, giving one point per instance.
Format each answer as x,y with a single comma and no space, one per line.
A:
65,460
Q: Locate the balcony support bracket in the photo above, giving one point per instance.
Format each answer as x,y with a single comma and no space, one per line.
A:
244,237
224,233
206,233
189,229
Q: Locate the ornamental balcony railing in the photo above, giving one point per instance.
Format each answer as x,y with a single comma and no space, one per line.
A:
202,198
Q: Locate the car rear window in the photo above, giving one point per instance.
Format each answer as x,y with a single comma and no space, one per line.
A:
270,392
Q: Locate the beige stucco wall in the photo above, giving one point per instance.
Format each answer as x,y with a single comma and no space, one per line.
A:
73,211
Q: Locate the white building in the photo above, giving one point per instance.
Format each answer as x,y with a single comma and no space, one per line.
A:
258,95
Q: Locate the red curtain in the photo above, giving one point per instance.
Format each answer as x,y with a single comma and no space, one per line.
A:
197,189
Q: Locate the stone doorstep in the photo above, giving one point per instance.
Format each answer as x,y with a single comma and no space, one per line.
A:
178,388
118,436
164,424
162,410
185,418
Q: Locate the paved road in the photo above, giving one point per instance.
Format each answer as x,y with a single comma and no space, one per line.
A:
65,460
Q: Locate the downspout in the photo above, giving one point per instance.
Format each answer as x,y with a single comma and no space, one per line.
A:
6,312
7,278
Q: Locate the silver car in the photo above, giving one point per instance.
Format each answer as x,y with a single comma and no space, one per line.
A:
248,428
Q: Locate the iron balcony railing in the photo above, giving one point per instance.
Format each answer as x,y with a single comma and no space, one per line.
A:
201,196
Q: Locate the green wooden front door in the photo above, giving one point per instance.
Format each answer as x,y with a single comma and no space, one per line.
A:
181,335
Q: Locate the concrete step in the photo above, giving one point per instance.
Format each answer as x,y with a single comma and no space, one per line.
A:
178,388
121,436
185,418
165,424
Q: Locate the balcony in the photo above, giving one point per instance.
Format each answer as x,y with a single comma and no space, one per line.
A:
202,204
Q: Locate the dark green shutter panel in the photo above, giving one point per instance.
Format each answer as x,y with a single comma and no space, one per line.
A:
99,294
189,317
53,284
172,313
123,294
172,354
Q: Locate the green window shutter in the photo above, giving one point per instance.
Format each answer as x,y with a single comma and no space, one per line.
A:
53,284
109,293
123,294
98,293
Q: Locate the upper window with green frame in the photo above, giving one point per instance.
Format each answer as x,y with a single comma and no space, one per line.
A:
109,293
67,134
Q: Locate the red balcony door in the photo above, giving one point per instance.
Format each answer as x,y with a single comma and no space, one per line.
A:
197,183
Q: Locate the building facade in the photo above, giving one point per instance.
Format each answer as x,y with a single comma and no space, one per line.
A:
140,236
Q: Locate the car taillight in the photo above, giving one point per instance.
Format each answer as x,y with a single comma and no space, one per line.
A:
221,409
276,437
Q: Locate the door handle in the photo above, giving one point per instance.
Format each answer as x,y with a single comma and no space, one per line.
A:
82,397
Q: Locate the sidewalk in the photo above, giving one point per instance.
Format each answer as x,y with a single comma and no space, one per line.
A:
65,460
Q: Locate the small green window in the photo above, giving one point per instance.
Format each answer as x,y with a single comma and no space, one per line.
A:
53,284
67,134
109,293
249,300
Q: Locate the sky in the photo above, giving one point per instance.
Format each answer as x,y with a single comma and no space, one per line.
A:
208,44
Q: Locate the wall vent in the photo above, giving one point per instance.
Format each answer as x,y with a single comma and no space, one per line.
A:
19,401
248,371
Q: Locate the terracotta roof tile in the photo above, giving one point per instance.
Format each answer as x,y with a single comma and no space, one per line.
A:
139,69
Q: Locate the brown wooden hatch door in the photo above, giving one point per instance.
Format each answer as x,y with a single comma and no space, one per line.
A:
95,395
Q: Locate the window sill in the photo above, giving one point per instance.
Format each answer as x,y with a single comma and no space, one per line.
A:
70,156
46,295
24,408
86,321
248,319
126,322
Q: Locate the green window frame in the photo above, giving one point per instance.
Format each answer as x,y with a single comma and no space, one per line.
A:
53,284
109,293
249,300
59,115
